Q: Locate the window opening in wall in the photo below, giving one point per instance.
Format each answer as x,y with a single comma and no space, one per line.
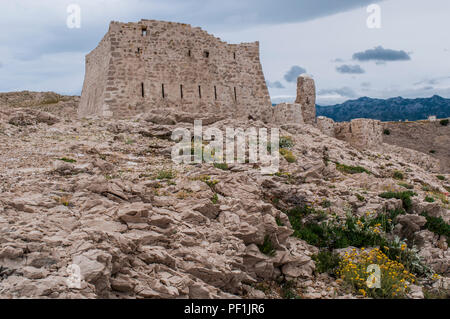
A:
142,90
235,94
138,50
181,91
162,91
199,91
206,54
189,53
215,92
144,32
234,55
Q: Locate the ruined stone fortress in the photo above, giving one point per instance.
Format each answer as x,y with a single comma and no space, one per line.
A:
148,65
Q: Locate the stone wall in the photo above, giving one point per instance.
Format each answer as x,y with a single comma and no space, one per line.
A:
326,125
156,64
361,133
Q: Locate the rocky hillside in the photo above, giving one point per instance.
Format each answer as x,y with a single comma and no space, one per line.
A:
431,138
104,195
393,109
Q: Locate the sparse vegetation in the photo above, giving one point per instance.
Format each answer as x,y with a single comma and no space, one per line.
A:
166,174
444,122
67,160
398,175
327,262
406,185
286,142
440,177
404,196
267,247
351,169
287,154
222,166
429,199
215,199
437,225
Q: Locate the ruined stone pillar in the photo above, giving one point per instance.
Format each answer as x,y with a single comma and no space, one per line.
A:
306,96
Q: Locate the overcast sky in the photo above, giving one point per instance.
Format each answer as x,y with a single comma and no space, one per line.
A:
408,56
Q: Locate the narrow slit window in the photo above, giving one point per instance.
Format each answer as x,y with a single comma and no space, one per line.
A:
215,92
234,55
181,90
199,91
235,94
162,91
144,32
138,50
142,90
189,53
206,54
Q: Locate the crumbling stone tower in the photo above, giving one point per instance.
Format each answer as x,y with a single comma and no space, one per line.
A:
303,110
155,64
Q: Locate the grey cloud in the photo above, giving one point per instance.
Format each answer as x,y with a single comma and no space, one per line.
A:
344,91
275,85
350,69
292,75
366,84
381,54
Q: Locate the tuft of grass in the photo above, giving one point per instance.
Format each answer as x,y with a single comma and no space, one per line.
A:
429,199
286,142
215,199
222,166
406,185
279,222
166,174
404,196
351,169
67,160
267,247
287,154
398,175
440,177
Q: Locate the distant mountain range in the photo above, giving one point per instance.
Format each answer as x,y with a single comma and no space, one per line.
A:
393,109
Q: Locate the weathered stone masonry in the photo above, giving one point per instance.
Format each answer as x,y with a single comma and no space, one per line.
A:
155,64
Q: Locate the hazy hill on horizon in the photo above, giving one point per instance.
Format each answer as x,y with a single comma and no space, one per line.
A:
392,109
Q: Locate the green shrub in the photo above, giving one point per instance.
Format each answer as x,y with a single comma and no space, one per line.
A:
326,262
287,154
444,122
437,225
398,175
404,196
351,169
407,186
215,199
67,160
440,177
326,203
429,199
267,247
165,174
222,166
286,142
360,197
